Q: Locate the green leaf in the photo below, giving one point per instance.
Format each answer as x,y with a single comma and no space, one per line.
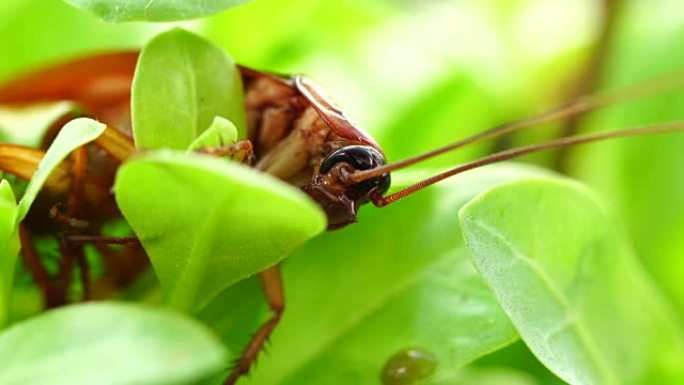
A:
9,247
109,343
398,278
571,285
207,223
153,10
221,132
72,136
181,84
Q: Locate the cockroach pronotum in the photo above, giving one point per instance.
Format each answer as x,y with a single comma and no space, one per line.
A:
295,133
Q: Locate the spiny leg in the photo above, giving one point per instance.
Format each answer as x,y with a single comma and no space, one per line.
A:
102,240
51,294
76,205
78,241
272,283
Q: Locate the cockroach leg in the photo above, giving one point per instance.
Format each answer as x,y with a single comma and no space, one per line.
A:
84,274
23,162
71,256
73,253
58,215
242,151
81,239
66,268
272,283
75,242
117,144
51,296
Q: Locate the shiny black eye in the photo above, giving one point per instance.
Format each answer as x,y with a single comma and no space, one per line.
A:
361,158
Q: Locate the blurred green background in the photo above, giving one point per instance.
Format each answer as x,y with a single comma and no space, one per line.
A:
420,73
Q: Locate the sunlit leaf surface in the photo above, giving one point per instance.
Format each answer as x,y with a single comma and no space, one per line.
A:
570,284
109,344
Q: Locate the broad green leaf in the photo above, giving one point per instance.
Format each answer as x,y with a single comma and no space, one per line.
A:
27,125
221,132
72,136
9,247
207,223
109,344
181,84
570,284
398,278
152,10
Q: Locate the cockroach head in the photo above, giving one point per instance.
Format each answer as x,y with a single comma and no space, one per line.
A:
339,197
359,158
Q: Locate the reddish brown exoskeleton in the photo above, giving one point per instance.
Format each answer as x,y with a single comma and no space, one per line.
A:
294,133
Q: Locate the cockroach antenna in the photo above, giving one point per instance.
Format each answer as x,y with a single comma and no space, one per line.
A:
575,107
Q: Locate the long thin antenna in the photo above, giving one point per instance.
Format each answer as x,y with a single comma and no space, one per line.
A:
513,153
573,108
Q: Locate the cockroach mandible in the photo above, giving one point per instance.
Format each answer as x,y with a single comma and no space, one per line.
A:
295,133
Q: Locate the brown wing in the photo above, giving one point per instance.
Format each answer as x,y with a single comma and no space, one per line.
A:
95,82
330,113
102,85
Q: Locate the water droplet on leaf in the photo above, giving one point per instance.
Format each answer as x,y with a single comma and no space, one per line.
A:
408,366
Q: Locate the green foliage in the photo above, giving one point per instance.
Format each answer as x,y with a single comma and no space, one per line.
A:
395,284
181,84
417,74
571,285
109,343
207,223
152,10
9,247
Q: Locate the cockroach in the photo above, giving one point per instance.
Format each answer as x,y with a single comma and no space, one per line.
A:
295,133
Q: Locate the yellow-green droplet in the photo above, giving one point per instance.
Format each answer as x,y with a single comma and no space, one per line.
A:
408,366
